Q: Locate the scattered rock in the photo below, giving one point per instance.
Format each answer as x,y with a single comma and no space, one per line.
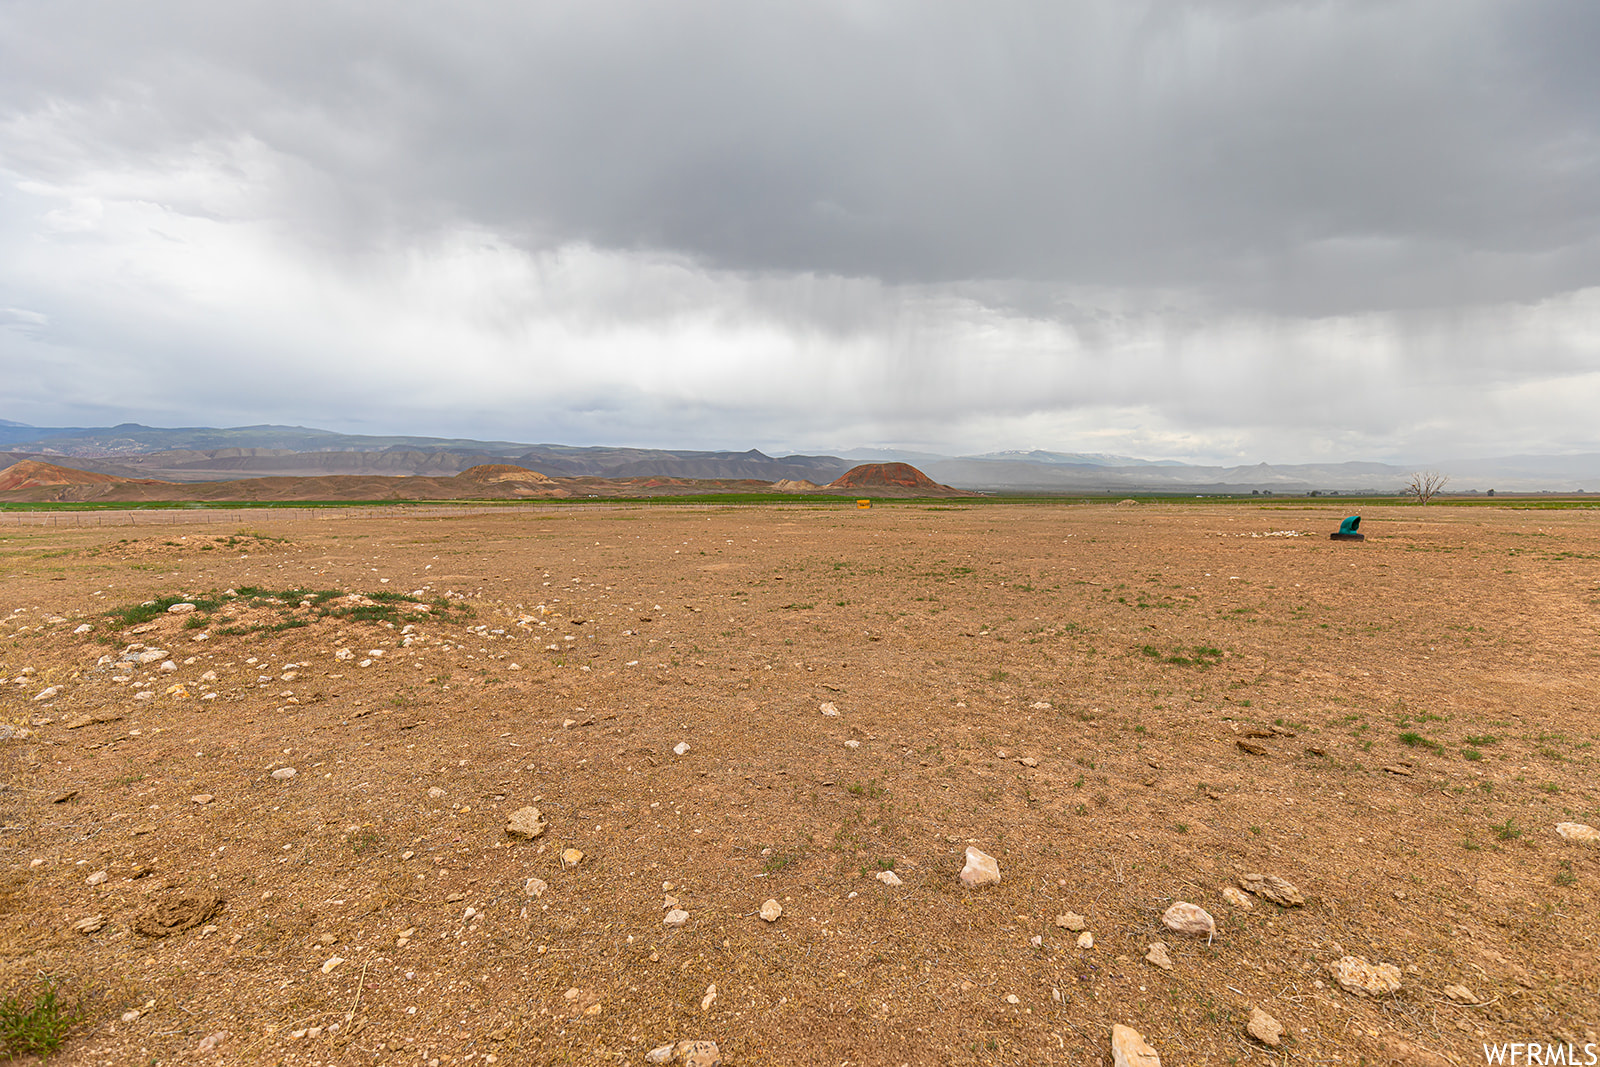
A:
1192,919
829,710
180,609
1253,749
1071,921
98,878
1129,1048
89,925
681,748
662,1054
699,1054
1263,1027
1365,979
981,869
710,998
676,917
771,910
1272,888
175,911
535,887
211,1043
1399,768
1086,940
1577,831
1460,994
202,798
283,774
852,744
1157,955
1233,895
889,878
1028,761
571,857
434,792
526,822
46,694
332,962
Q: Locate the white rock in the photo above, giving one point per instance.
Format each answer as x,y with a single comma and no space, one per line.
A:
771,910
211,1043
167,667
981,869
1157,954
434,792
1272,888
829,710
209,676
710,998
1186,918
180,609
663,1054
535,887
852,744
681,748
1365,979
1129,1048
283,774
1071,921
525,822
889,878
344,653
90,924
1235,896
333,961
1460,994
150,655
571,857
698,1054
1086,940
1264,1028
83,629
676,917
1569,831
46,694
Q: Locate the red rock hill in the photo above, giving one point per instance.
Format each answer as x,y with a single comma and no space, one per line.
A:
901,476
31,474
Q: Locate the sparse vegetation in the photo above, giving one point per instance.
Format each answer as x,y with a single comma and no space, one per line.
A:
36,1021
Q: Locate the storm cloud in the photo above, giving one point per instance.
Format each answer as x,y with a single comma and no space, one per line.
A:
1226,231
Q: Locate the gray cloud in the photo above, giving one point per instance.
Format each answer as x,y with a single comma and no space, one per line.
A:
1210,223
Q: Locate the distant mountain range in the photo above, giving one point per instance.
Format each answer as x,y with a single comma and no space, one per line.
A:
201,454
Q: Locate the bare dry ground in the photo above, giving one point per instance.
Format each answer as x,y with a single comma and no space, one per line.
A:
1064,687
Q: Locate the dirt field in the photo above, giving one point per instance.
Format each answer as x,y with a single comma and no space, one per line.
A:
1063,687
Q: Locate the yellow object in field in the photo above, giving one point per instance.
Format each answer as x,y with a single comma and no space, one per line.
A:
863,503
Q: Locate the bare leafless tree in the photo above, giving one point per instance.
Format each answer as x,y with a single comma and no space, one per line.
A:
1425,485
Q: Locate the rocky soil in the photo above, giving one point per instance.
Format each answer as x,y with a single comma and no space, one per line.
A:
622,785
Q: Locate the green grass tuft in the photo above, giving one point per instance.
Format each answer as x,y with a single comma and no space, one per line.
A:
36,1023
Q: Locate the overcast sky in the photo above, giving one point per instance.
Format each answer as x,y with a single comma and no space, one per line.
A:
1234,231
